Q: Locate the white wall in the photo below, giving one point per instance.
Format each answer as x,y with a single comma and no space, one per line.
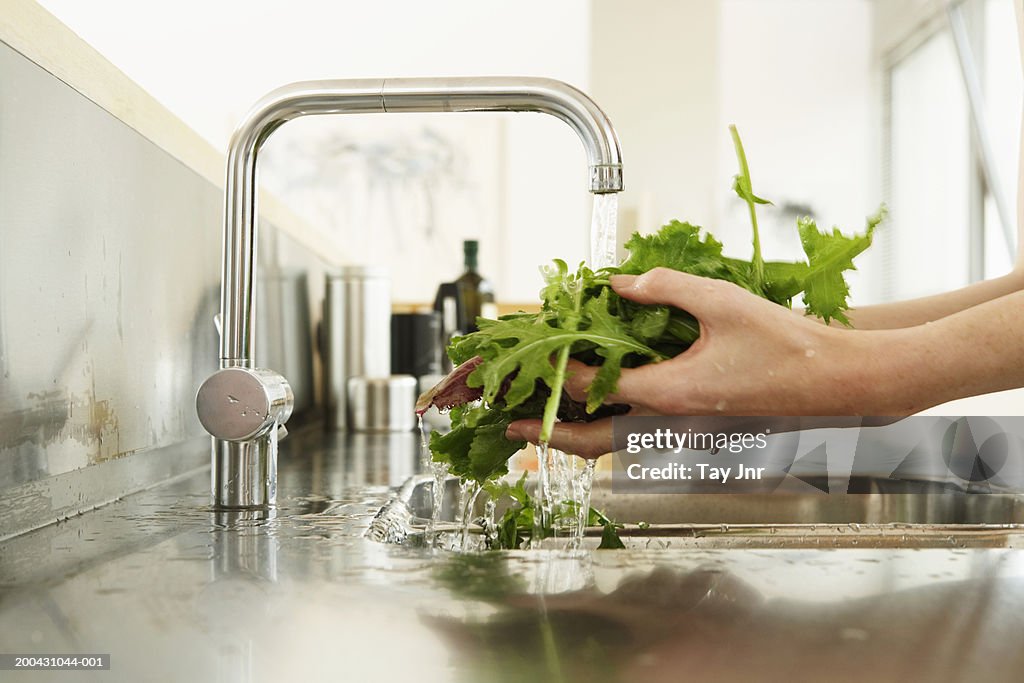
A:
796,76
655,72
796,79
209,61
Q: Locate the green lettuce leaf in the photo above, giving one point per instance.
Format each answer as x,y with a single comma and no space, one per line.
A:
829,255
679,246
520,350
476,447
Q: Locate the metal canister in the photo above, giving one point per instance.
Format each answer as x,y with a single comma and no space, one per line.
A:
382,404
356,334
284,336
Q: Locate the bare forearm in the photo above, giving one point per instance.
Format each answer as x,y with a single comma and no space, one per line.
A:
975,351
914,312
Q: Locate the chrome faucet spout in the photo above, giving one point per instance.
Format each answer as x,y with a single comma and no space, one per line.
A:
236,446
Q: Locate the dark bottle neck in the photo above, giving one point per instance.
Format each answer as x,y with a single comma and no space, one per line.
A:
469,251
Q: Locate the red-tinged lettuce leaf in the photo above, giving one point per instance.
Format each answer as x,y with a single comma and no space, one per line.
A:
452,390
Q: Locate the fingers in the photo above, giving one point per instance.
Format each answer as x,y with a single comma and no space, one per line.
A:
578,379
705,298
698,295
587,440
636,386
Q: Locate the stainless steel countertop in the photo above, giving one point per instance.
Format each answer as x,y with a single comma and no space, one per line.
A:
174,591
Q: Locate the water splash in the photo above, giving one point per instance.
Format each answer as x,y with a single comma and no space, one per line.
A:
490,527
424,443
583,485
467,503
562,497
562,476
440,472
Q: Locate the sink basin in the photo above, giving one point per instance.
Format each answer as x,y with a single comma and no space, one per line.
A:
876,513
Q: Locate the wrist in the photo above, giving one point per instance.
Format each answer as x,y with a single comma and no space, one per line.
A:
890,372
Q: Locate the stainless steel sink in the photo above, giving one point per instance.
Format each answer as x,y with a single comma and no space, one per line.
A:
875,513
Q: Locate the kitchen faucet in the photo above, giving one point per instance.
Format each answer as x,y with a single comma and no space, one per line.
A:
245,408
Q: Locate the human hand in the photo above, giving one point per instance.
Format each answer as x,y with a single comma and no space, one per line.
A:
753,357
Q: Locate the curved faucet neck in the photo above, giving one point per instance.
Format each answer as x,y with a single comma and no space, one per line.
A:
352,96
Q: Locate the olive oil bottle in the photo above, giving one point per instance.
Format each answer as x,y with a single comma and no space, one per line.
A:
476,294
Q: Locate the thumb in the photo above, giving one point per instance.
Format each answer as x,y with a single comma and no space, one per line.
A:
585,439
700,296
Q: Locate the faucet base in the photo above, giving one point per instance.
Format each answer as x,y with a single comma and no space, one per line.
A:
244,474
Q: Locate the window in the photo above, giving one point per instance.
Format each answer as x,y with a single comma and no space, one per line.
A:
946,228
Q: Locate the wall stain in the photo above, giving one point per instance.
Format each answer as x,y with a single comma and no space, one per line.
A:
53,417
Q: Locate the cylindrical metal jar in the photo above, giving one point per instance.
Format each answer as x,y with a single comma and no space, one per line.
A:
356,334
382,404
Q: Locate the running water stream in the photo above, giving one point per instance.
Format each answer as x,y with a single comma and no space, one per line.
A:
604,231
563,487
439,470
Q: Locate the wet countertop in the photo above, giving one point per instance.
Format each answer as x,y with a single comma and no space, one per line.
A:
174,591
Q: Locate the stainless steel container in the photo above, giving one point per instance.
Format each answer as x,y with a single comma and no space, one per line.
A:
356,333
382,404
284,337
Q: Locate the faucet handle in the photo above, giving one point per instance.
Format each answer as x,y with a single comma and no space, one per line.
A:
240,404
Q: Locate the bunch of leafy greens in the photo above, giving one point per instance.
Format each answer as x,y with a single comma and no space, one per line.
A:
525,354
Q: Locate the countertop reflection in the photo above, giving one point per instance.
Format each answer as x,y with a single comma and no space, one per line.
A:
175,591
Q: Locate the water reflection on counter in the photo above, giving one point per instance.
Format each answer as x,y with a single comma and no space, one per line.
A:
712,623
176,591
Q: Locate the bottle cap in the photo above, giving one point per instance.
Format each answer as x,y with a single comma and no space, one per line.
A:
470,248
